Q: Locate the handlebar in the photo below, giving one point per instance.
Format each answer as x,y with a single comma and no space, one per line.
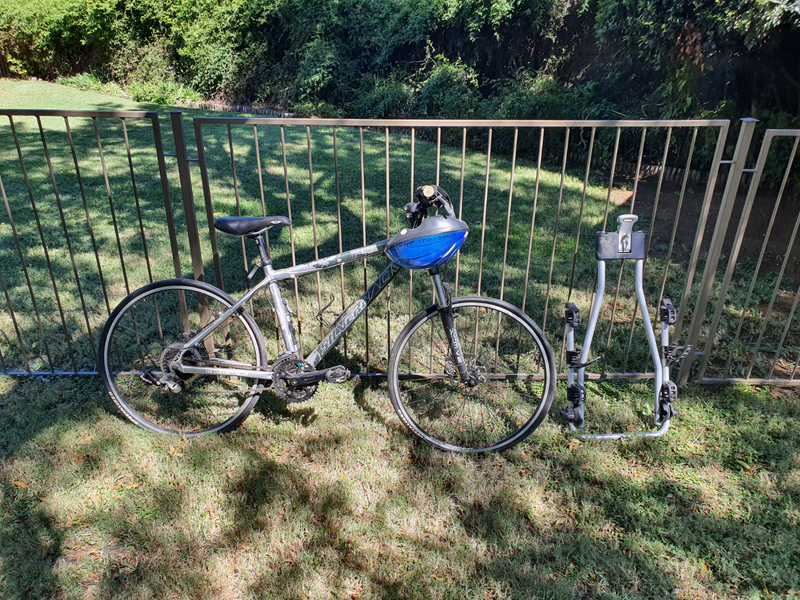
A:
428,196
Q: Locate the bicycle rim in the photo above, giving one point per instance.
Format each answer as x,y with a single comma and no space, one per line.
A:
501,346
142,337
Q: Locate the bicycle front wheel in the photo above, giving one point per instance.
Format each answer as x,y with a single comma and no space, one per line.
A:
502,348
143,337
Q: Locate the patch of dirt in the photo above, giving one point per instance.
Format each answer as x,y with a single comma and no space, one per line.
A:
689,218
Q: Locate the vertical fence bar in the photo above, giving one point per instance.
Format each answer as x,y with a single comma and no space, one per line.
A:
485,206
339,221
611,178
314,224
389,287
508,216
555,228
236,193
533,218
136,201
794,305
577,240
411,273
789,245
717,240
658,193
261,192
734,254
41,236
364,234
23,263
760,259
111,206
71,256
14,322
5,291
461,196
438,153
677,216
212,232
580,214
712,181
260,178
86,210
791,315
162,173
181,155
291,240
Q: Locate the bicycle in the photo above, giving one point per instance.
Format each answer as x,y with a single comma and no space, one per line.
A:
467,374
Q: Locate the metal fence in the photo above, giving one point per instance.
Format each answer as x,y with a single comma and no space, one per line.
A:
532,192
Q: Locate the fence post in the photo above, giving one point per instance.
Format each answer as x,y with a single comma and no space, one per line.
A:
717,240
186,192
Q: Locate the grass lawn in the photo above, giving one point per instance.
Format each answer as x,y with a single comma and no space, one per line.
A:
330,498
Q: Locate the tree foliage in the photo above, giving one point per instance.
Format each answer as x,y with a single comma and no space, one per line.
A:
426,57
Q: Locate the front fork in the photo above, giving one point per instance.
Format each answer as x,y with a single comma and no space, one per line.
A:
444,302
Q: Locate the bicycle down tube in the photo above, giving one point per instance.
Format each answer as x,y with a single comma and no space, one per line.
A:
272,277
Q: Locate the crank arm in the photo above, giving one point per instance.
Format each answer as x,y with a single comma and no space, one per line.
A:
336,374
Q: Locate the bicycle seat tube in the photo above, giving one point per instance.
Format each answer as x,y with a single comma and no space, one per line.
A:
281,311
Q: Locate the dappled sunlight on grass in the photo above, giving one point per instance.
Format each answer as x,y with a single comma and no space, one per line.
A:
345,504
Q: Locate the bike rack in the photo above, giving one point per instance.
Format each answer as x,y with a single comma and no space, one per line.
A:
624,244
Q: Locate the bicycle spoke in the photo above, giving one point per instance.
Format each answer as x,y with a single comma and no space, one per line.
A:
506,398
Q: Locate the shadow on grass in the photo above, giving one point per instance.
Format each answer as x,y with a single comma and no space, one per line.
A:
347,504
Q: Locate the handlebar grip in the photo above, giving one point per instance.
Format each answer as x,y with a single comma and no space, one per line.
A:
432,195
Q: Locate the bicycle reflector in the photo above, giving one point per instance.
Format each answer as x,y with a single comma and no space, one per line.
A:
428,246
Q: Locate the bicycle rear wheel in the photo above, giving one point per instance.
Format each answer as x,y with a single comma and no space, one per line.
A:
142,338
502,347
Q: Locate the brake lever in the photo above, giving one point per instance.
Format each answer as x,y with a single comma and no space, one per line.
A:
415,212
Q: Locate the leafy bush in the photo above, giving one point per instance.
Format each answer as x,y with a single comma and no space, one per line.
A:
450,91
89,82
388,98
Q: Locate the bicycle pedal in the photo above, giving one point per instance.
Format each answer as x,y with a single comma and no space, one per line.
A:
337,374
148,377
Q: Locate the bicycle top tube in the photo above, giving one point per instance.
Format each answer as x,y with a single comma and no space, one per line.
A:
329,261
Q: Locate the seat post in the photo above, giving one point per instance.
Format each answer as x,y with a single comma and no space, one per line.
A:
262,250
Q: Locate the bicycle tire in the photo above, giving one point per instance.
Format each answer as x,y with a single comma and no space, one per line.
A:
502,345
140,338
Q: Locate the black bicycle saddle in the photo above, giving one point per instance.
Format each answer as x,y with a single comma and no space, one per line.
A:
249,225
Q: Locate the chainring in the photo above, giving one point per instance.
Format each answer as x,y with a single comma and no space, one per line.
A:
283,370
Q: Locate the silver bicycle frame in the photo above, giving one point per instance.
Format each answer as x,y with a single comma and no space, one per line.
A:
271,279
